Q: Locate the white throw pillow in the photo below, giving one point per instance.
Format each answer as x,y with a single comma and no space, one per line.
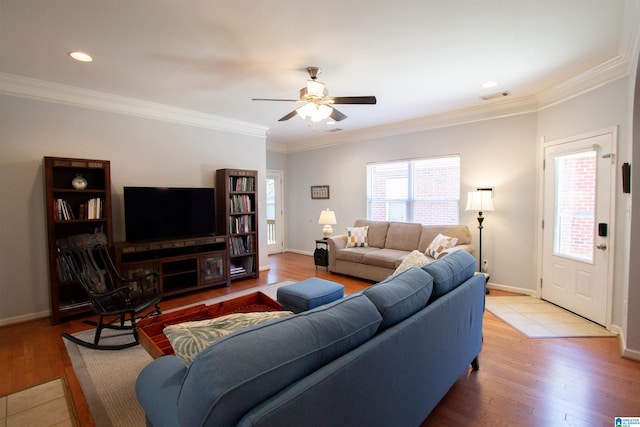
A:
414,259
440,244
357,237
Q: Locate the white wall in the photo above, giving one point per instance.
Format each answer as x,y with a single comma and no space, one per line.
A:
598,109
633,284
142,152
497,153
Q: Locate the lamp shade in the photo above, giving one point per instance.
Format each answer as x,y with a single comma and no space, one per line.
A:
327,217
479,201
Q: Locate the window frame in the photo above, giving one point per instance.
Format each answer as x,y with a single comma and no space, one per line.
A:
410,200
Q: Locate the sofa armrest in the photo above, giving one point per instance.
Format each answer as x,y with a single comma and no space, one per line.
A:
157,390
338,242
468,248
335,242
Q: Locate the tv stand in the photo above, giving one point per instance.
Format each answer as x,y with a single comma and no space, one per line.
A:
184,265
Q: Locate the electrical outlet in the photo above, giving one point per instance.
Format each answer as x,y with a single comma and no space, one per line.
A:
485,265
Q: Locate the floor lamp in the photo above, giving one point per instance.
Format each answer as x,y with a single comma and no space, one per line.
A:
480,201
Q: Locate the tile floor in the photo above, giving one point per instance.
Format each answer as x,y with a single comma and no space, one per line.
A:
44,405
540,319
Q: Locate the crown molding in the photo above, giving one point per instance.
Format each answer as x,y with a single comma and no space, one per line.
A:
603,74
495,110
25,87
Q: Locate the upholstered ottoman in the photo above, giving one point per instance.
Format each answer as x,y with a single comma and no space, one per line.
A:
309,294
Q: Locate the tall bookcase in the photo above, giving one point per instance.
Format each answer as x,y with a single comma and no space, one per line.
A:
237,216
85,208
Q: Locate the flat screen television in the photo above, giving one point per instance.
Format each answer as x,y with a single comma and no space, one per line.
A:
157,213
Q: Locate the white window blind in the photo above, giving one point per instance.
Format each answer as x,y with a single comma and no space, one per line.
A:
425,191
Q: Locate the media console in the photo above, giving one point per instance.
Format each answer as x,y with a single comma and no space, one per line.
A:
184,265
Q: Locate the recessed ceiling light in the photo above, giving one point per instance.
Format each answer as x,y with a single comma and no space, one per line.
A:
81,56
490,83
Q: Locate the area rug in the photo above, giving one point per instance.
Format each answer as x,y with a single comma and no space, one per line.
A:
107,378
536,318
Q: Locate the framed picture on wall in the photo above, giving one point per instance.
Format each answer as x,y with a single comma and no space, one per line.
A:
319,191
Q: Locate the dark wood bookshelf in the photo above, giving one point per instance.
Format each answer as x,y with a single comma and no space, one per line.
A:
237,216
67,297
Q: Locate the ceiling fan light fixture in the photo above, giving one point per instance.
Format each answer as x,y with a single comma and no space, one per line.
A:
316,89
322,113
313,112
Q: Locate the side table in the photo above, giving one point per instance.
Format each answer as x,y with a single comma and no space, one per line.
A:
486,281
321,254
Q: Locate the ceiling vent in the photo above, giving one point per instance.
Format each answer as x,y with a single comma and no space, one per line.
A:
495,95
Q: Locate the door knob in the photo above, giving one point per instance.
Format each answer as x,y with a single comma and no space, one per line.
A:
601,246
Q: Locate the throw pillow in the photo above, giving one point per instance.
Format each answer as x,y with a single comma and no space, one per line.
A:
414,259
190,338
357,237
439,244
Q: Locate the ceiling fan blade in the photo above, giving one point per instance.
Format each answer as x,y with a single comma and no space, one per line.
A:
337,115
272,99
354,100
288,116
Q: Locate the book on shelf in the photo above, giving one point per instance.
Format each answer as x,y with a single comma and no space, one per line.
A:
241,183
241,224
63,210
239,245
241,203
93,209
236,270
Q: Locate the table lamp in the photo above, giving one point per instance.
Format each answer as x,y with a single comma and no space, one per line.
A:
327,218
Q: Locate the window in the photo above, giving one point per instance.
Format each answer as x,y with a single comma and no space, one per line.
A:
425,191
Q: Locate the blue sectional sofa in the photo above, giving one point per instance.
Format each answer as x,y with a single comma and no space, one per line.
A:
383,357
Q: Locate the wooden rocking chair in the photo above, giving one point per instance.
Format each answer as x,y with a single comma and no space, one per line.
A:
119,302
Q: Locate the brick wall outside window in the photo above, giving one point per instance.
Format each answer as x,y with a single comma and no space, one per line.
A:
425,191
576,198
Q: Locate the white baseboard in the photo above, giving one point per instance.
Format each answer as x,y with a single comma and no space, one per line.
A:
624,350
24,318
296,251
514,289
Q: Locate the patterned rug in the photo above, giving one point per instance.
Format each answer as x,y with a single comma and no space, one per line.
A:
107,378
539,319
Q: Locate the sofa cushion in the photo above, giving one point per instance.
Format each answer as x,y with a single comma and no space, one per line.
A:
429,232
439,245
414,259
357,237
385,258
377,233
354,254
403,235
190,338
450,271
401,295
243,369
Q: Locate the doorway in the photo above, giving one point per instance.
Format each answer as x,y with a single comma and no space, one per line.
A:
577,236
275,228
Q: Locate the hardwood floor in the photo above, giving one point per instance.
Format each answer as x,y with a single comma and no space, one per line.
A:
521,381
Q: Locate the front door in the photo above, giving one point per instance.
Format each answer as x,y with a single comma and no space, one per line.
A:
577,237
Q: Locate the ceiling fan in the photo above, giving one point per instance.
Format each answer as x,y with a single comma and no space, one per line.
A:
318,105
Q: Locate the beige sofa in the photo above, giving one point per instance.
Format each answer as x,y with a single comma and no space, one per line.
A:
389,243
